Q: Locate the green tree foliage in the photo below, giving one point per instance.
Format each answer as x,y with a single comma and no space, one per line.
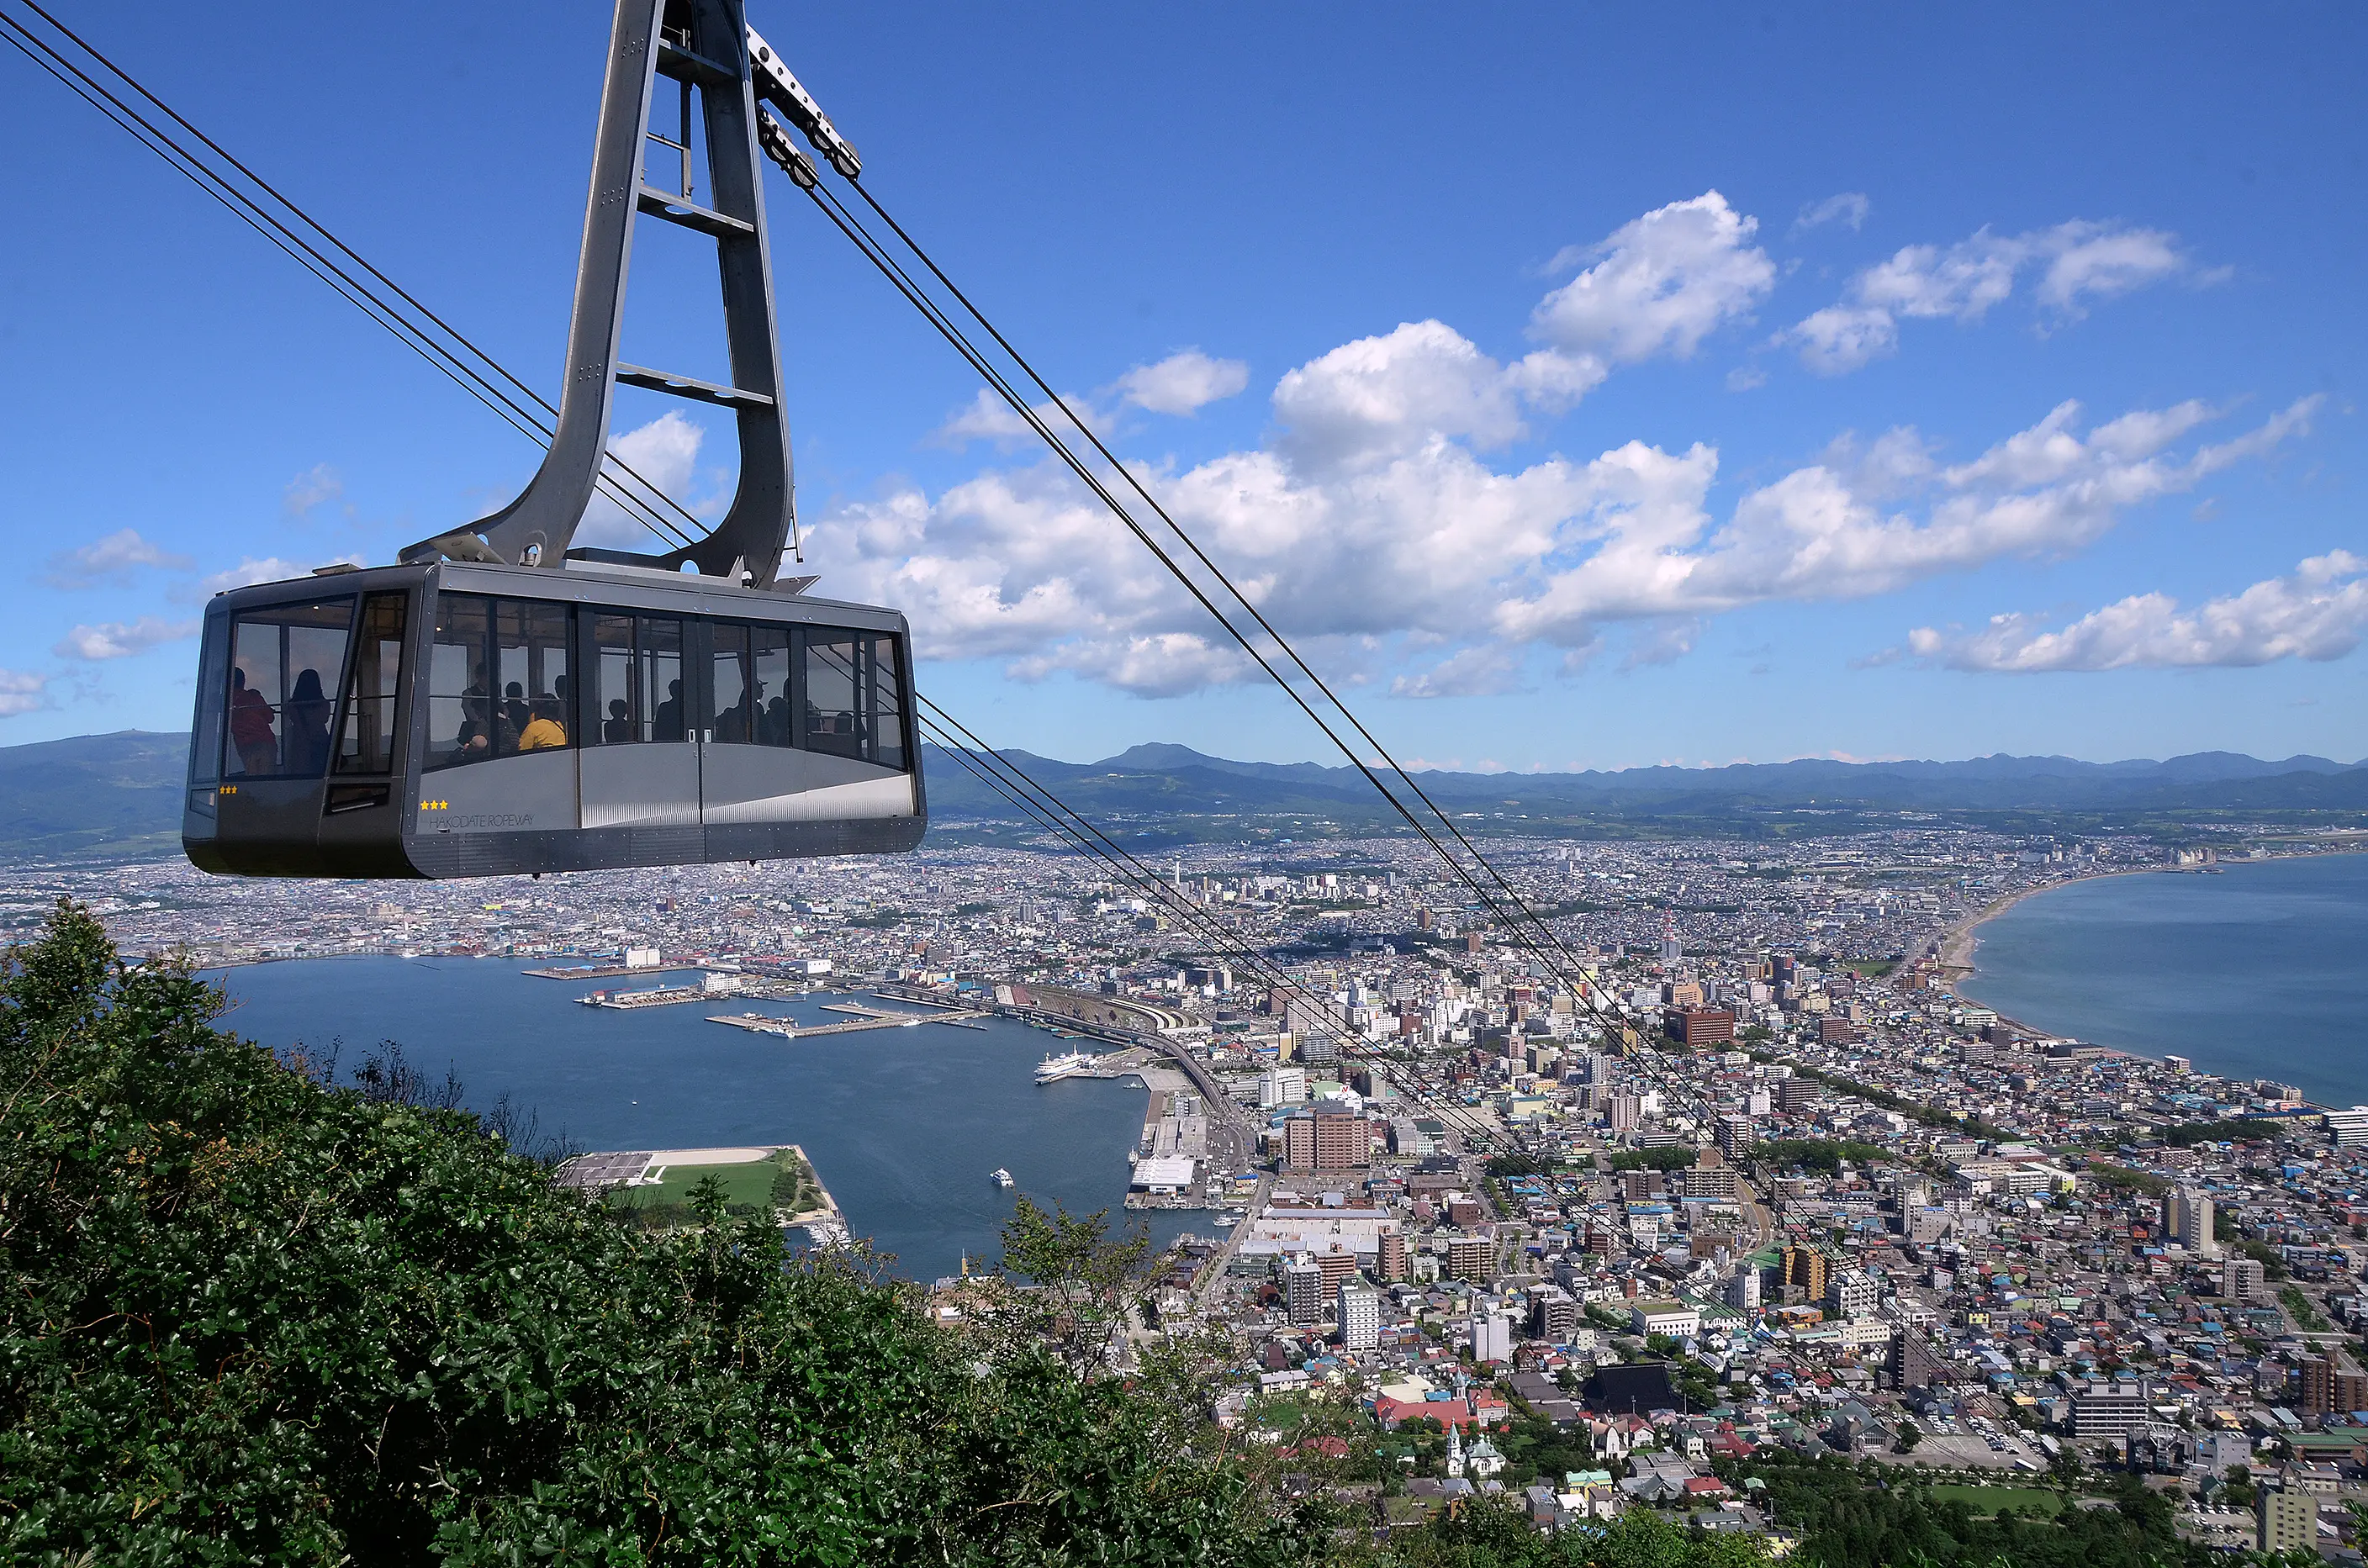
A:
251,1318
1817,1153
1863,1517
1087,1284
2240,1130
1674,1158
2123,1178
2298,1307
1496,1535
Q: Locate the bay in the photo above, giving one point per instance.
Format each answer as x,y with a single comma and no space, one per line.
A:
2257,971
901,1124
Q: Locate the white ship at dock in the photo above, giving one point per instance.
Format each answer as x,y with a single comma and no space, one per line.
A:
1053,1068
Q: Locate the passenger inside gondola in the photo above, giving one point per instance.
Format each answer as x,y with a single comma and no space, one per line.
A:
307,726
543,731
731,724
251,731
619,727
476,738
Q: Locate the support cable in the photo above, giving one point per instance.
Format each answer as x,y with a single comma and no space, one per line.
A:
1223,941
1110,852
1580,987
1135,484
363,295
377,307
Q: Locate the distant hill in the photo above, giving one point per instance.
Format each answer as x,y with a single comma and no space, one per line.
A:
114,795
1145,782
119,795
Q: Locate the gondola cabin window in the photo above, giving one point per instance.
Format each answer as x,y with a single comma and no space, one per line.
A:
497,680
852,708
285,663
366,733
637,674
748,684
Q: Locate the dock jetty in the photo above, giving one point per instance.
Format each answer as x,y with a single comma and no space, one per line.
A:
866,1017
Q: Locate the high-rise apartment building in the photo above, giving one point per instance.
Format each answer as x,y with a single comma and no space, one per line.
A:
2334,1382
1711,1184
1303,1292
2243,1279
1734,1135
1469,1257
1553,1314
1329,1138
2285,1519
1851,1294
1492,1337
1807,1270
1700,1027
2186,1218
1390,1262
1360,1317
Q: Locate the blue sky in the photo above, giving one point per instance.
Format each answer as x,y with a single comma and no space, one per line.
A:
1580,389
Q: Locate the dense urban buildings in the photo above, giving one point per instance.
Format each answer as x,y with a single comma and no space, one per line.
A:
1729,1167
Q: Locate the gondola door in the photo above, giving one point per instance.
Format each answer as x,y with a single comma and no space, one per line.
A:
641,727
750,765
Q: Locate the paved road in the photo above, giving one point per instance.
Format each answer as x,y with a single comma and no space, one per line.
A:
1207,1295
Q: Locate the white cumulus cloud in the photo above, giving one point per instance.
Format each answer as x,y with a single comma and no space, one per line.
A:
111,559
2317,611
1380,397
664,452
1183,382
1373,527
1484,670
122,639
264,568
1658,284
2072,263
22,692
1424,543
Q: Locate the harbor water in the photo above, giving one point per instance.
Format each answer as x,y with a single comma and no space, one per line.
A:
905,1125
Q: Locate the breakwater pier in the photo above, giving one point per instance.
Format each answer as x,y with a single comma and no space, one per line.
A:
865,1017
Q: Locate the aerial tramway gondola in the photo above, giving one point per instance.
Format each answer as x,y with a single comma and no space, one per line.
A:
501,702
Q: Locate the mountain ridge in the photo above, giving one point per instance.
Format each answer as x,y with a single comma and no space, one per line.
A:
117,794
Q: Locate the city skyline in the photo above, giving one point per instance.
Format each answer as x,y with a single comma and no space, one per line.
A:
1597,402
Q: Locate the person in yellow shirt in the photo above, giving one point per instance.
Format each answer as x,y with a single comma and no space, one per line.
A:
543,731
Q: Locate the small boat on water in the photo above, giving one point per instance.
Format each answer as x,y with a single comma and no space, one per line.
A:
999,1176
1053,1068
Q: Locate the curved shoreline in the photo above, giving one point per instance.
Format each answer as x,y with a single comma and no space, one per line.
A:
1958,947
